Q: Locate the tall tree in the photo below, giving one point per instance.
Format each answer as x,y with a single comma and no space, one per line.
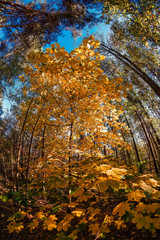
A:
78,112
28,26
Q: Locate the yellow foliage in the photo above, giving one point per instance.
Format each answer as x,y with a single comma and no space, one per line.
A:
15,226
136,195
50,223
121,208
146,187
65,223
78,212
73,235
94,228
120,224
92,212
142,221
114,183
79,192
33,225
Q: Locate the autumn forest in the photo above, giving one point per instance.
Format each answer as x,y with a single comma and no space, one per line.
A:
80,137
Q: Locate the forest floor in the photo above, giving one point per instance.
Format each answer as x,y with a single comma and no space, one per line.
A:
7,209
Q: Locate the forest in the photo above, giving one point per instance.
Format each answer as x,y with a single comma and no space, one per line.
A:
80,138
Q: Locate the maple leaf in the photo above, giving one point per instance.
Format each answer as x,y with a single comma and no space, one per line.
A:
108,219
116,172
40,215
50,223
33,225
136,195
151,208
142,221
156,222
156,195
14,226
93,212
105,183
120,224
146,187
153,182
94,228
64,224
121,208
141,207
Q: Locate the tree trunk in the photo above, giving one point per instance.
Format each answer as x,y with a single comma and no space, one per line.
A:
134,142
149,144
134,67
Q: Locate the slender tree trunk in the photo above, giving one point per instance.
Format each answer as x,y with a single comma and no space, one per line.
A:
136,100
30,147
70,150
149,144
20,145
134,67
69,166
104,151
134,142
4,171
127,152
154,140
42,155
12,162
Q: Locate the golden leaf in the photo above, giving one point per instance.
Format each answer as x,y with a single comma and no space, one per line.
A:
120,224
156,222
121,208
136,195
50,223
78,212
153,182
33,225
14,226
105,183
94,228
64,224
151,208
142,221
146,187
93,212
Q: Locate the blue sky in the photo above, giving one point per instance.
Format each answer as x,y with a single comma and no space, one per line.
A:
69,43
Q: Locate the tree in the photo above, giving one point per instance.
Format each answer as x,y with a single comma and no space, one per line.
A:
28,26
73,99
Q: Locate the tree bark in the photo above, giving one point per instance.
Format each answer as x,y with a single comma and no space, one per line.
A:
134,142
134,67
149,144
